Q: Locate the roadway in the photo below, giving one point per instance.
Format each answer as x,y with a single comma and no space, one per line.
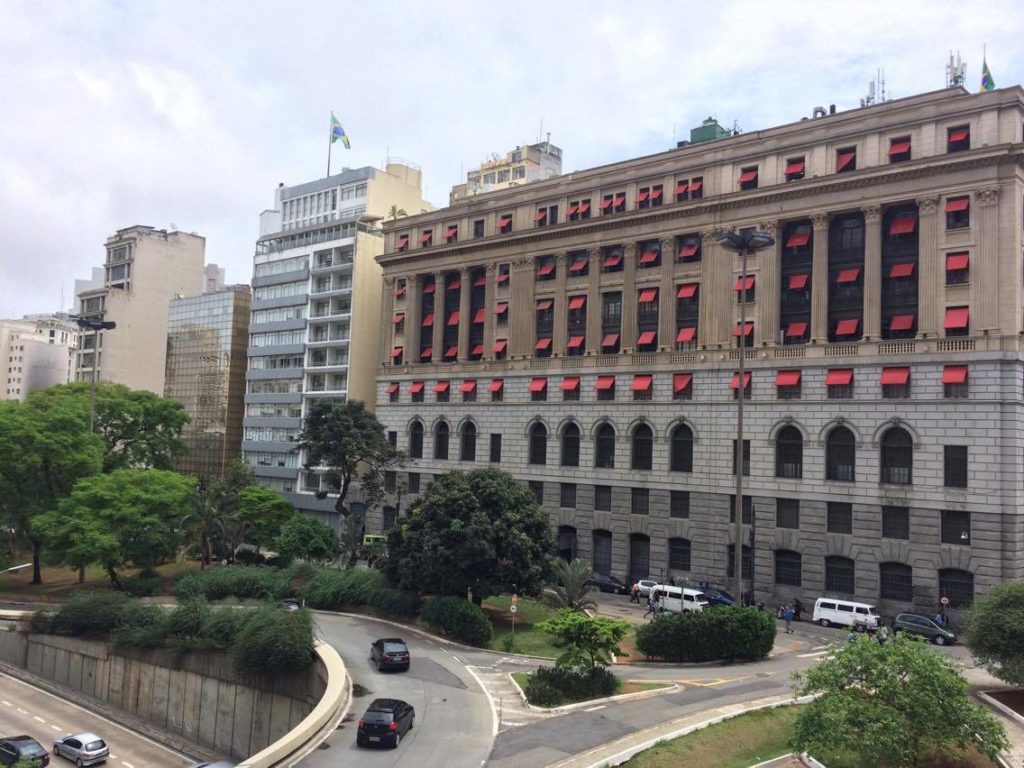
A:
44,717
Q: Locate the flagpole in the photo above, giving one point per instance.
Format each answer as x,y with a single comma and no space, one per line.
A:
330,141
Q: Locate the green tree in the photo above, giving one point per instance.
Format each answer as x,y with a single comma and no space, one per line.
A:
479,530
995,631
262,512
307,539
395,213
589,640
348,443
570,587
891,704
130,516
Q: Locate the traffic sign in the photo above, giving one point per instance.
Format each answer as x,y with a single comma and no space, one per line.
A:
515,599
513,608
944,600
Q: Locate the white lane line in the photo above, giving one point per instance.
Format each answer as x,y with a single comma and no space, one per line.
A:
57,728
811,655
495,718
127,765
37,717
21,710
594,709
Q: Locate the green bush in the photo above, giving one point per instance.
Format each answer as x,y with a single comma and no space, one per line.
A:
541,693
86,614
143,626
723,633
142,586
249,557
338,590
239,581
274,641
459,617
549,686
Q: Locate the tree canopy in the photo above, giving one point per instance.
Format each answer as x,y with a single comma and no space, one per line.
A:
308,539
890,704
479,530
995,631
589,640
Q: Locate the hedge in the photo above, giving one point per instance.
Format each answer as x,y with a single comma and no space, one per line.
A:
550,686
337,590
723,633
240,581
460,618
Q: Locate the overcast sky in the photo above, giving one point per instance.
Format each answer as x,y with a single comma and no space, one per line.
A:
189,113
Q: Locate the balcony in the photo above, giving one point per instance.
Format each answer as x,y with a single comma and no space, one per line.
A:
332,263
328,289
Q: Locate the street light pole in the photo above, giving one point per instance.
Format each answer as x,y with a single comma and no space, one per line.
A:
95,326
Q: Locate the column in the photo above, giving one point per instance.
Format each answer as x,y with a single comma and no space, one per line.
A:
768,292
491,270
930,301
716,298
667,296
388,335
594,301
465,320
819,280
629,331
872,271
412,319
558,341
987,267
437,337
521,304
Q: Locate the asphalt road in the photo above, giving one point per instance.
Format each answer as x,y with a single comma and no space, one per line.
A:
44,717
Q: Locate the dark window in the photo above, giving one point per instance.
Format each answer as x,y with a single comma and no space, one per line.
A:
390,482
413,482
748,509
840,517
897,457
958,212
478,228
572,393
899,149
958,139
603,498
679,554
505,223
537,489
896,391
846,159
956,527
696,187
681,459
441,441
606,388
679,504
538,444
839,575
794,169
643,448
467,451
896,523
748,177
958,268
955,466
571,446
496,447
841,391
443,395
746,457
748,562
393,439
497,393
840,455
603,551
393,391
789,453
416,440
604,447
896,582
567,496
787,513
640,501
787,567
416,391
958,586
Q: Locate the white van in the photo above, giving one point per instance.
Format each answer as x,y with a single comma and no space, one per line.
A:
860,616
680,599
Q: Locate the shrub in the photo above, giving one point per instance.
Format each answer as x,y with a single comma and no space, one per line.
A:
394,601
142,586
273,641
723,633
334,590
86,614
249,557
143,626
542,693
239,581
568,684
459,617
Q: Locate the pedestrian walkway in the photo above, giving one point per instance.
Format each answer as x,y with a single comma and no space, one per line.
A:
512,710
981,680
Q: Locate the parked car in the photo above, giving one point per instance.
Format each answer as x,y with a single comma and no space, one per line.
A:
607,583
390,653
385,721
679,599
916,624
646,585
15,748
717,596
82,749
845,613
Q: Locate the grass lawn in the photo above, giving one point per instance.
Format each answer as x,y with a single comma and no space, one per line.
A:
58,582
528,640
628,686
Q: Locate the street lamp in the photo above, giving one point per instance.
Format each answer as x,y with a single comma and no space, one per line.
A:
95,326
744,242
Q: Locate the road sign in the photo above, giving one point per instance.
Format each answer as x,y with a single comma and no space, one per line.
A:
515,599
513,608
944,600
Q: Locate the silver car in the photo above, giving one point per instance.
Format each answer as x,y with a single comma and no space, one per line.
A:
83,748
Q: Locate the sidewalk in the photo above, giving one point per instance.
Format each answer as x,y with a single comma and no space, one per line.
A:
981,680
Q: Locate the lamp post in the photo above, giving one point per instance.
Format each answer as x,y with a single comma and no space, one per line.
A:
744,242
95,326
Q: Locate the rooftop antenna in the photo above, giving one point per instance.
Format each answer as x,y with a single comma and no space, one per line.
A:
541,131
956,73
882,76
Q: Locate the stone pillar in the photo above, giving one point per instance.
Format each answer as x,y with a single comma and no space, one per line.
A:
558,340
768,291
523,322
412,319
667,297
629,332
716,295
872,272
437,337
930,298
594,301
986,266
491,271
388,337
465,289
819,280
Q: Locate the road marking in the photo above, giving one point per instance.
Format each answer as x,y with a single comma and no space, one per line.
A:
811,655
495,718
37,717
823,647
22,710
127,765
455,657
594,709
57,728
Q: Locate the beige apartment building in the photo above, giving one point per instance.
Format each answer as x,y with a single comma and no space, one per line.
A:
582,333
524,164
36,352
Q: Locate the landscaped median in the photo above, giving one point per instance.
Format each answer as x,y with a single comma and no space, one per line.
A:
623,690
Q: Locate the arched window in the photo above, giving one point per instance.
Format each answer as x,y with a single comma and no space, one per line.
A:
839,575
682,449
896,582
643,447
840,455
416,440
602,542
789,453
896,461
538,444
787,567
679,554
441,433
958,586
571,446
467,450
604,447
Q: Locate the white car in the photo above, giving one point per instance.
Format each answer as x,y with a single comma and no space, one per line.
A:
82,749
646,585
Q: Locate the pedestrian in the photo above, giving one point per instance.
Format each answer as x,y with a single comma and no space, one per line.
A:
939,619
634,593
882,635
787,616
650,606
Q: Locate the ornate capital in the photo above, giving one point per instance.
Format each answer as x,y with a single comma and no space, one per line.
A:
411,281
667,244
593,253
629,250
707,236
523,265
988,196
560,259
927,206
389,282
872,213
464,274
769,227
489,269
820,221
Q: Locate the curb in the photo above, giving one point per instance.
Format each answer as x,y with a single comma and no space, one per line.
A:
591,702
1006,711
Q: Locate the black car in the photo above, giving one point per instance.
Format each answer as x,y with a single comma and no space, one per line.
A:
385,722
717,596
15,748
607,583
390,653
916,624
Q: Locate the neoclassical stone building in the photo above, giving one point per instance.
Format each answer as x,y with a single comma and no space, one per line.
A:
582,333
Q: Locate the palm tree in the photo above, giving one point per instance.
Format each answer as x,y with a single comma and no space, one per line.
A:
570,586
205,520
394,213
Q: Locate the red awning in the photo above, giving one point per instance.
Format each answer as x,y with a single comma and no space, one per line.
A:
572,209
642,382
504,221
570,383
955,261
453,230
954,374
428,320
681,381
480,282
578,266
795,167
577,302
416,387
478,349
958,134
648,295
469,385
901,323
954,204
454,285
686,335
848,276
655,193
546,269
502,277
500,309
797,282
392,388
902,226
799,238
500,344
899,148
620,200
687,291
748,176
429,288
541,214
398,318
496,385
681,187
689,249
843,159
956,317
607,203
402,241
427,353
452,351
839,377
605,383
399,293
544,304
647,337
610,340
787,378
750,283
696,184
425,237
644,194
796,330
542,343
584,207
538,384
749,329
575,342
480,316
736,381
847,327
902,270
441,386
612,260
453,318
895,375
649,257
